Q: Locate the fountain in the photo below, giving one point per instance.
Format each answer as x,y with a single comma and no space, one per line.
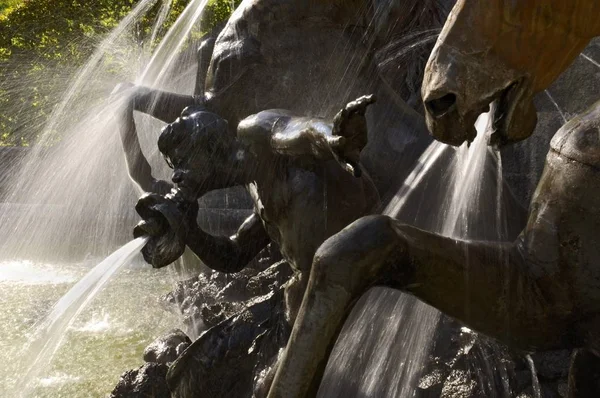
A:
536,293
396,140
56,227
50,333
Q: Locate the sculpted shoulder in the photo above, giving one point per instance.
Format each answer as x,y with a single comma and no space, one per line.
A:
256,130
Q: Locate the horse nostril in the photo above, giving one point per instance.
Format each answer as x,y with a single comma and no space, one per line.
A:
440,106
177,177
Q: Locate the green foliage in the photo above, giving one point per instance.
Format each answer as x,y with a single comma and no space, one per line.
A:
217,12
7,6
43,42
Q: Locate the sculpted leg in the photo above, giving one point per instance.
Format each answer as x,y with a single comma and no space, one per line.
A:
159,104
486,285
489,286
345,266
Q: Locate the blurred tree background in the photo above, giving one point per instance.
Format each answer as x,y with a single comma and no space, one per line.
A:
44,42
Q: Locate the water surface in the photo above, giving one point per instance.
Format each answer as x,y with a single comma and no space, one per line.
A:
107,338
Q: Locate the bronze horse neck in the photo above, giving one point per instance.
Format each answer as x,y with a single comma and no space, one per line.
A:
540,37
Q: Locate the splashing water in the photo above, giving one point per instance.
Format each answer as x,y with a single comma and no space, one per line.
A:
50,333
384,357
71,200
170,46
163,13
78,165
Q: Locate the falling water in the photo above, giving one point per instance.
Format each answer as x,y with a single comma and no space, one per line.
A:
426,162
81,174
71,200
170,46
78,165
384,357
537,390
50,333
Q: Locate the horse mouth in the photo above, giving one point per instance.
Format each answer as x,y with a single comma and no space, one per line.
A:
511,112
504,107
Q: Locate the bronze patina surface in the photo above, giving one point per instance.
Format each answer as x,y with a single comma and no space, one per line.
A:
539,292
306,182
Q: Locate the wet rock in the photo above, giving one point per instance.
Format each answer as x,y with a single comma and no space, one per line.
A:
149,381
167,348
430,385
213,314
270,279
173,299
235,286
238,320
210,298
266,258
458,385
466,364
226,359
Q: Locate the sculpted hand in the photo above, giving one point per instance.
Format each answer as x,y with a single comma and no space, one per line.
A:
350,133
161,187
166,220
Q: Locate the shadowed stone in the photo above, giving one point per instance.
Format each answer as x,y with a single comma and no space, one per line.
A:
167,348
148,381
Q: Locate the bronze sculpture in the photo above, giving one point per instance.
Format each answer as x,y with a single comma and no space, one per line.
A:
504,51
294,166
287,55
382,239
539,292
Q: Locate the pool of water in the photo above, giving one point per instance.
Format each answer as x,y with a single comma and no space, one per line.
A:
107,339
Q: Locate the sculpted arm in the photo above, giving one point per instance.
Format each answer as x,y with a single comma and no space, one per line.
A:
279,132
229,254
162,105
284,134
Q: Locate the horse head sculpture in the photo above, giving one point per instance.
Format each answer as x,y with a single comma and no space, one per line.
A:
502,52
